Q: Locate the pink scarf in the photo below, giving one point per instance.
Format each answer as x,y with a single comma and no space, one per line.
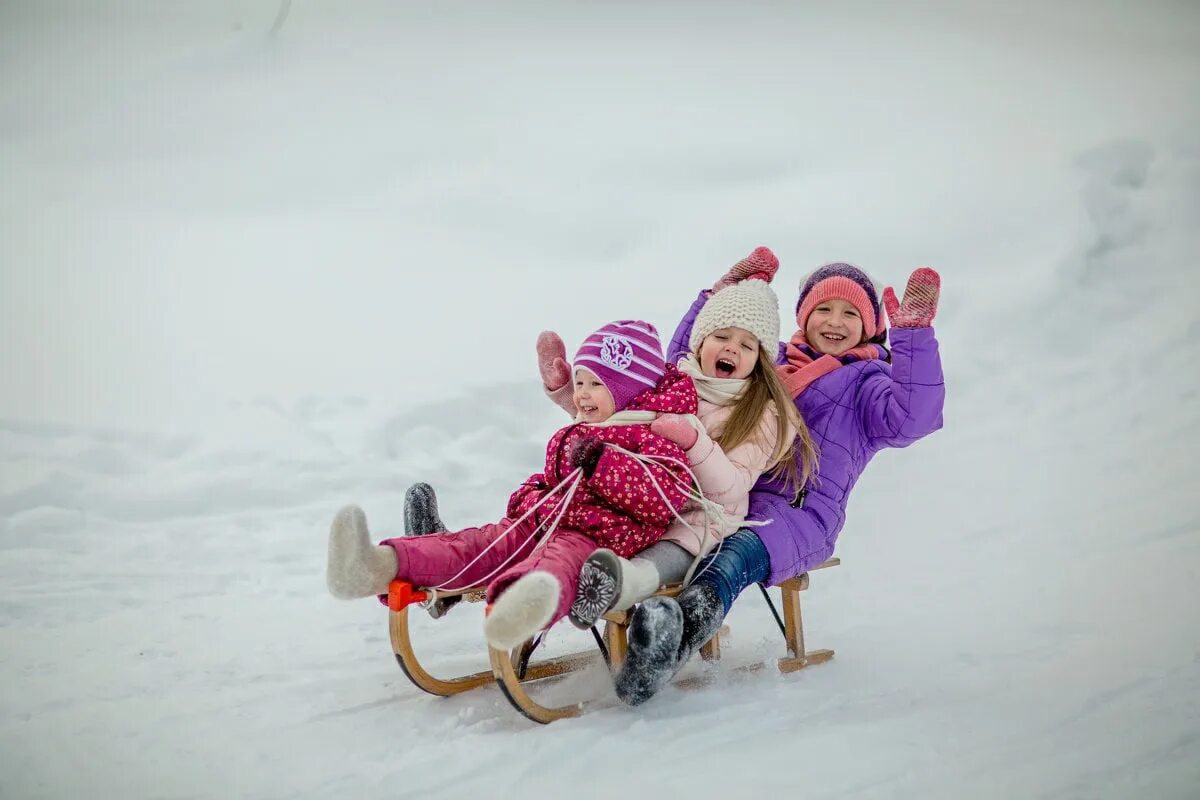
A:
802,369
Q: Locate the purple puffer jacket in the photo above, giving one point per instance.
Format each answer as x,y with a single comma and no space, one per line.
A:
852,413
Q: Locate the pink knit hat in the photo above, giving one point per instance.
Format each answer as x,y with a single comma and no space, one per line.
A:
844,282
626,355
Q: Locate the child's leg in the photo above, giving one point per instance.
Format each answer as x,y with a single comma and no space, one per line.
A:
354,566
562,556
357,568
660,564
462,559
665,632
670,560
608,582
741,561
537,592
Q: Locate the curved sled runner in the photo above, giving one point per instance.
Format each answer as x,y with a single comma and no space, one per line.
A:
513,669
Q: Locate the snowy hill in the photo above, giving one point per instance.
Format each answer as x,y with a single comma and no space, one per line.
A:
248,279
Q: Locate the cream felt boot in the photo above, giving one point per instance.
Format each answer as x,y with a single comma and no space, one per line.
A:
523,609
640,579
356,567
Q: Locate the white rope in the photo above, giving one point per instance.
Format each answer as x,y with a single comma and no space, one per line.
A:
572,478
713,511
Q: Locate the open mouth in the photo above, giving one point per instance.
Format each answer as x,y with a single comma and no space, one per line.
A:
585,410
724,367
836,338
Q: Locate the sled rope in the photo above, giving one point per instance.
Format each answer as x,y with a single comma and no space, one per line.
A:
713,511
573,479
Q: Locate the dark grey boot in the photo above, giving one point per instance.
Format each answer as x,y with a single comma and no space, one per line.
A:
664,634
421,518
703,615
421,511
655,633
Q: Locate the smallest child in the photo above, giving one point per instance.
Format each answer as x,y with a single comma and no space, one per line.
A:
608,481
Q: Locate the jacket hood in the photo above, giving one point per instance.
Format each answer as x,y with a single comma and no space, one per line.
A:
674,394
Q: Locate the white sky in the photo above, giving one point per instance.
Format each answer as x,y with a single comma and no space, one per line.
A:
391,201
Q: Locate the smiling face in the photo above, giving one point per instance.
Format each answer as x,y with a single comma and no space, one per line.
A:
592,398
729,353
834,327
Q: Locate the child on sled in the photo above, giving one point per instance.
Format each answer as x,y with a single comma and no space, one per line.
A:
609,481
857,398
748,427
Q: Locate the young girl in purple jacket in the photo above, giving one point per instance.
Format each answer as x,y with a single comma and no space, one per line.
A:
856,399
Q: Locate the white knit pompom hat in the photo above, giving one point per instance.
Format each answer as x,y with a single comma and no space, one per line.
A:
750,304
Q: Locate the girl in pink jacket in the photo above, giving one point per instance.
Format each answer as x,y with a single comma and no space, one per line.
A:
747,425
609,479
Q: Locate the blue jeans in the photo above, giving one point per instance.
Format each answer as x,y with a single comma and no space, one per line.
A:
742,561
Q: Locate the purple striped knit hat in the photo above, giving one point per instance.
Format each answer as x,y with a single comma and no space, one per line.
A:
626,355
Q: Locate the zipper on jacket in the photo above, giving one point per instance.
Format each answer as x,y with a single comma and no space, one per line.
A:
798,501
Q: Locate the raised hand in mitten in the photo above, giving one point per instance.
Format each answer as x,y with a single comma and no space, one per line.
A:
586,454
920,300
677,429
552,361
761,264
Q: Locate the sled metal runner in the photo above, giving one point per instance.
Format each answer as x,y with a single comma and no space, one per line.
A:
512,669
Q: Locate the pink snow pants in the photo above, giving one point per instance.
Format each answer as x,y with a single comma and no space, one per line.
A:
434,559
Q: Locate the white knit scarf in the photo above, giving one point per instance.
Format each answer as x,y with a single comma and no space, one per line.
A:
624,418
719,391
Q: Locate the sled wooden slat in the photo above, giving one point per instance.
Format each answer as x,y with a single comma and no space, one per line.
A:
559,665
505,665
797,657
407,659
617,643
810,659
510,685
402,647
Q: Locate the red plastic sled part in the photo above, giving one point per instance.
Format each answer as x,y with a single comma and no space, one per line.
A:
401,595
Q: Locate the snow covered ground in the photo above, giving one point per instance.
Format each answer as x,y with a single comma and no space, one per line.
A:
246,279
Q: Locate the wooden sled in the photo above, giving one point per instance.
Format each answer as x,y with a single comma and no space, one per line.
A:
511,670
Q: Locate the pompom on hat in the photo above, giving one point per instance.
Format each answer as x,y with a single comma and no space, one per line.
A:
847,282
626,355
749,304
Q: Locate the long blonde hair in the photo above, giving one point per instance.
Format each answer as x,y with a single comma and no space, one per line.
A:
765,390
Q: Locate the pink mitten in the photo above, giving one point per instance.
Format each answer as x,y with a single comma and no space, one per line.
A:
761,264
677,429
552,361
920,300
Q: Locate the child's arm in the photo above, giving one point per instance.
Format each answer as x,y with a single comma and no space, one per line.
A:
556,373
761,263
678,347
527,495
623,483
724,477
899,408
